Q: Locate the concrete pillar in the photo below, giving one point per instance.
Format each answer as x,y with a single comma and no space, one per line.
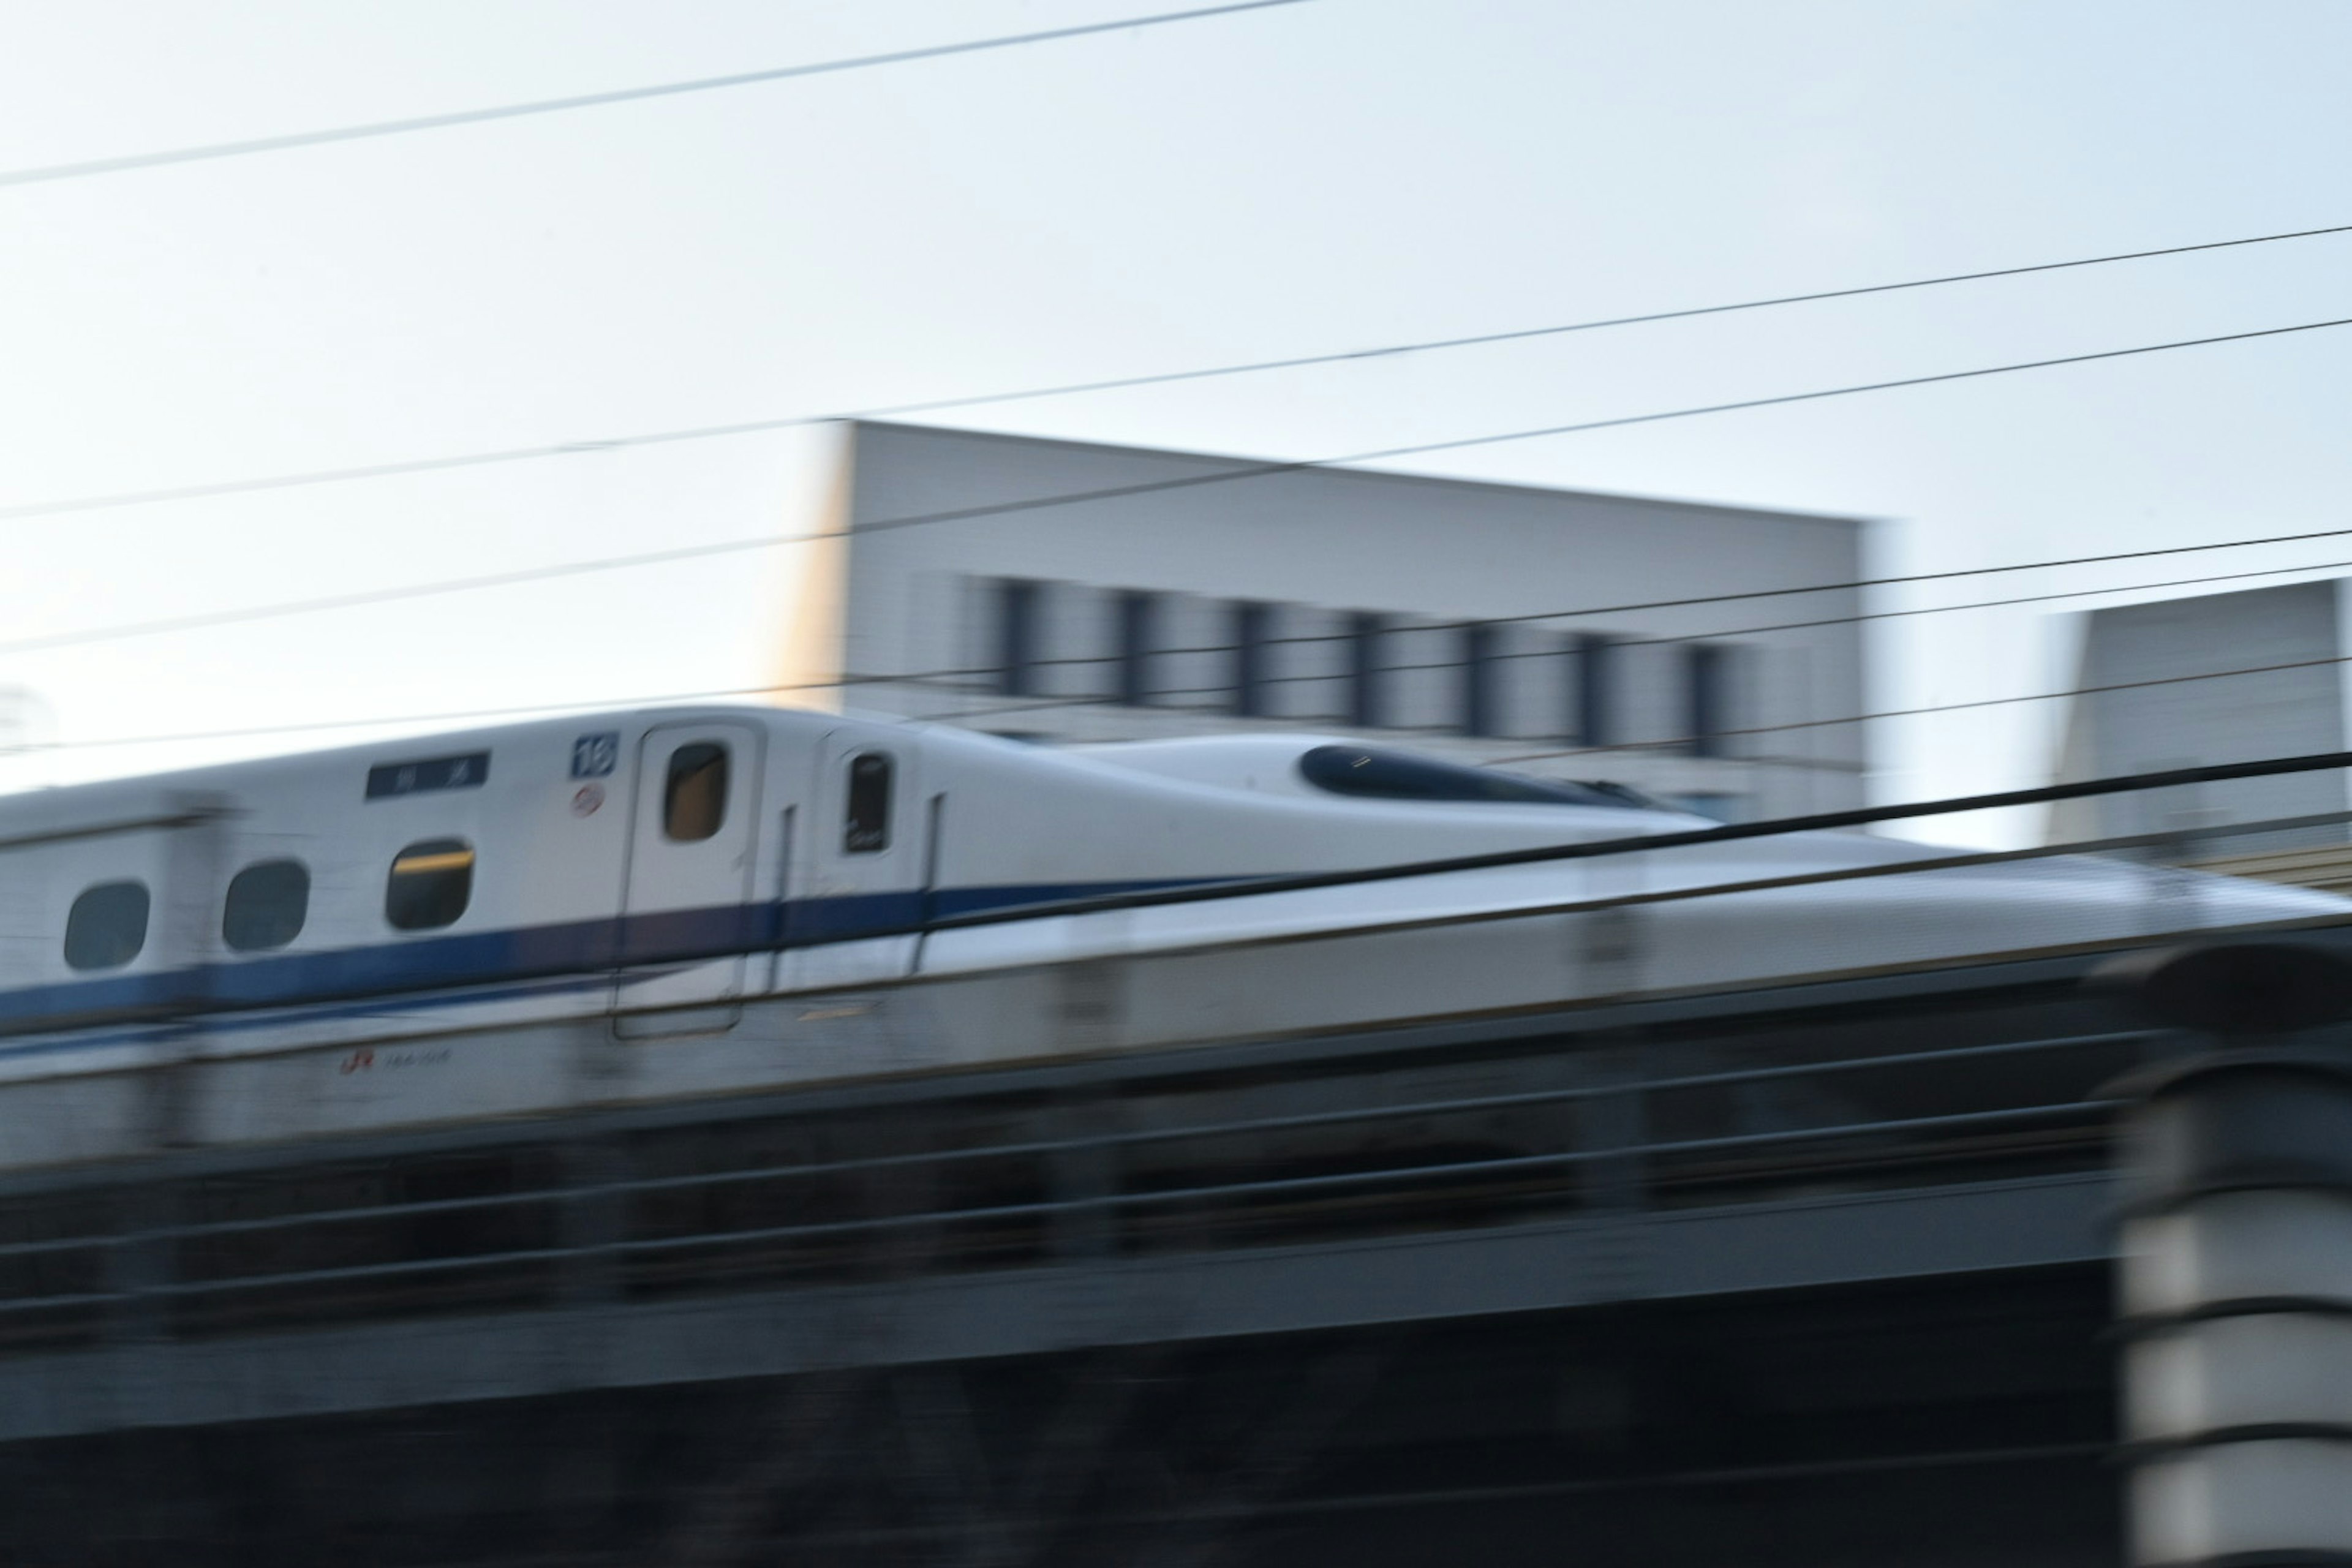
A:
2236,1269
2237,1301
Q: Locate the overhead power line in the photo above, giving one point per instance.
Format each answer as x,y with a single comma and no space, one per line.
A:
1464,443
920,678
1925,710
527,709
946,678
218,149
1523,335
366,597
1665,744
1172,697
1239,473
1582,614
302,478
1720,833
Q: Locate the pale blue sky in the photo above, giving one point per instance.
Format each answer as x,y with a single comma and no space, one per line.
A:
1316,177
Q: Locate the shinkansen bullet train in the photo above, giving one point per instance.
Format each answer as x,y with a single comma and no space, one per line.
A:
675,903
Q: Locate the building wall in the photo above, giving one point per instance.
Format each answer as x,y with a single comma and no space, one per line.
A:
2146,705
1322,550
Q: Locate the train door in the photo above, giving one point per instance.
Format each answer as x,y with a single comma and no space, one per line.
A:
871,854
687,919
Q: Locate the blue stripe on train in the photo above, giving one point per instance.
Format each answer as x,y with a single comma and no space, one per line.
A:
569,955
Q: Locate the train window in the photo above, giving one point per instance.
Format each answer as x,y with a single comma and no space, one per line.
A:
266,906
430,885
106,926
869,827
1400,775
694,802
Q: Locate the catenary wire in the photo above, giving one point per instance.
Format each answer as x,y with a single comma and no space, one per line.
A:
1170,696
1683,742
367,471
367,598
776,690
1263,469
1928,709
1238,473
527,709
1523,335
923,678
1463,443
1422,627
218,149
1677,742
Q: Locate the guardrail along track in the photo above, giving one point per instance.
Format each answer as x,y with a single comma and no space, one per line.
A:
1007,1170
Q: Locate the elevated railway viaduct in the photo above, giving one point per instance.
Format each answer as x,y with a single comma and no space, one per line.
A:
1809,1274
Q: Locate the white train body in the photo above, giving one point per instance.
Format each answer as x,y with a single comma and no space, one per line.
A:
654,904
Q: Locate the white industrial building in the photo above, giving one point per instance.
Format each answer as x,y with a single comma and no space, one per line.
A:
2196,682
1060,591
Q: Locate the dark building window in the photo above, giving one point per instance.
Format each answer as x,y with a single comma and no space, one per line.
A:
868,827
430,885
1253,624
1367,705
1480,672
694,800
1017,604
1139,618
1592,705
266,906
106,925
1706,667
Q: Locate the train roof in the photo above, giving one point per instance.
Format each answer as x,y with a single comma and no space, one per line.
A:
1304,764
43,809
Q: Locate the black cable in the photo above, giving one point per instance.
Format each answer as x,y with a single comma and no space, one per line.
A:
1594,848
1522,334
597,99
528,710
1685,741
1676,743
1683,838
935,405
384,595
1243,472
367,596
1672,743
916,677
1261,470
1274,469
949,676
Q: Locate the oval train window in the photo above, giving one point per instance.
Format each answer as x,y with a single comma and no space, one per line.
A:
266,906
694,800
106,926
430,885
